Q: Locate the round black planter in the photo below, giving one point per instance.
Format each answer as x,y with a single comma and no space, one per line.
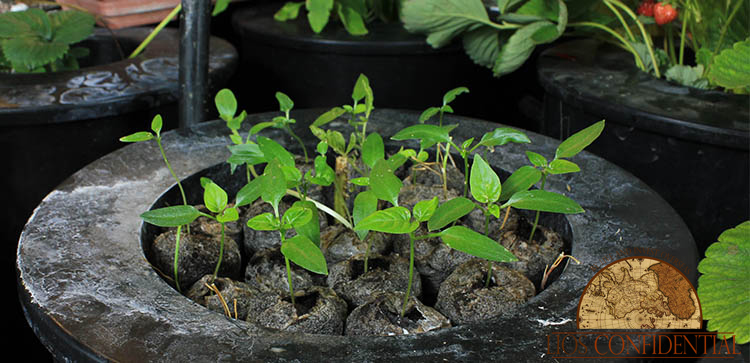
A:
690,145
53,124
318,70
90,294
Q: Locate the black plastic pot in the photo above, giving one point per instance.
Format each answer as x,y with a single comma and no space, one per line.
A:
91,295
690,145
53,124
318,70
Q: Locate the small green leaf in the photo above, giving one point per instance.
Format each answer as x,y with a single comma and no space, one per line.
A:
450,212
71,26
476,244
205,181
521,180
451,95
246,154
722,286
484,182
562,166
424,209
296,216
373,149
578,141
285,103
260,126
365,203
305,253
428,113
311,229
494,210
250,192
336,141
324,174
156,124
322,147
264,222
138,137
388,184
428,134
362,181
226,104
289,11
174,216
220,6
328,116
501,136
318,12
228,215
352,20
536,159
396,220
544,201
214,197
274,184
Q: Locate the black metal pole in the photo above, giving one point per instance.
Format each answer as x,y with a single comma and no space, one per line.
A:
194,38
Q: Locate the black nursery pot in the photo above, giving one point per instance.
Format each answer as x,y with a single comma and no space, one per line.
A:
91,295
691,146
318,70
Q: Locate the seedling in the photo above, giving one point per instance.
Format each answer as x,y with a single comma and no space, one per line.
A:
282,122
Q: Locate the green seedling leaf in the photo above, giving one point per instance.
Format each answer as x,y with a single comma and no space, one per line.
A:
395,220
322,147
494,210
214,197
285,103
328,116
174,216
260,126
220,6
388,184
311,229
536,159
451,95
324,174
273,150
138,137
428,134
156,124
579,141
226,104
249,153
336,141
722,286
264,222
351,19
501,136
296,216
289,11
450,212
428,113
476,244
362,181
205,181
484,182
562,166
250,192
543,201
422,156
292,176
424,209
373,149
318,12
274,184
360,88
399,158
228,215
365,204
305,253
521,180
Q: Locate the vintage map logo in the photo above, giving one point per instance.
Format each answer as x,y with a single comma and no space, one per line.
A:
639,293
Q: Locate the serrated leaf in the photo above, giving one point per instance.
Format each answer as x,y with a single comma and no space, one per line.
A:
305,253
220,6
521,180
29,52
483,181
579,141
318,13
543,201
517,49
71,26
730,68
449,212
373,149
424,209
365,203
264,222
722,287
138,137
443,20
476,244
174,216
388,184
396,220
289,11
687,76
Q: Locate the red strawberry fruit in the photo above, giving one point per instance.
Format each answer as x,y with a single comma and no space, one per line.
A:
646,8
664,13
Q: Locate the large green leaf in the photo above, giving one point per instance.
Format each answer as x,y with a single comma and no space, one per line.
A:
174,216
32,52
305,253
388,184
396,220
475,244
722,287
484,182
578,141
517,49
443,20
373,149
521,180
482,45
71,26
274,184
731,68
449,212
29,23
273,150
544,201
365,203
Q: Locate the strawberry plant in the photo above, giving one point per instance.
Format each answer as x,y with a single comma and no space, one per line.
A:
353,15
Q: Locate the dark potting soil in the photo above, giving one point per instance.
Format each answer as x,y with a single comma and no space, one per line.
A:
448,286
